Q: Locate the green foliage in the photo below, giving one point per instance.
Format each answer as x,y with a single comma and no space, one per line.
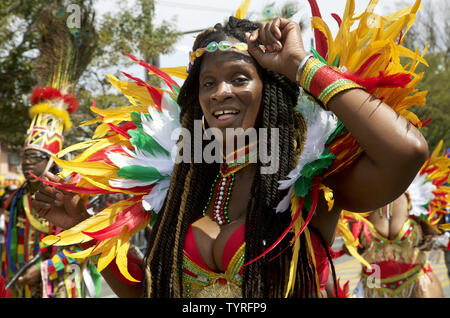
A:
436,81
131,31
432,28
19,40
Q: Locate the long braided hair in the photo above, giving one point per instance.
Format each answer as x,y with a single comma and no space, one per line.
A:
188,192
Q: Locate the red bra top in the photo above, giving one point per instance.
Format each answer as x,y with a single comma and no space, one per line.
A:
235,241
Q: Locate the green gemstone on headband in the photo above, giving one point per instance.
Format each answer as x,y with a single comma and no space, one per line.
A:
212,47
225,45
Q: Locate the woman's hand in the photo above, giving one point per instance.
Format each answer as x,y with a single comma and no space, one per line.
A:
427,243
31,276
282,39
61,208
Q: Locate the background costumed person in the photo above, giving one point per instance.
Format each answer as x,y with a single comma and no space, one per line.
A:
230,229
396,239
64,54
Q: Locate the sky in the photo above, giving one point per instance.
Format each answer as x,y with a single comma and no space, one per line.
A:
199,14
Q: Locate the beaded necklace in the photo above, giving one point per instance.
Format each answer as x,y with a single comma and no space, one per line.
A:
223,183
388,211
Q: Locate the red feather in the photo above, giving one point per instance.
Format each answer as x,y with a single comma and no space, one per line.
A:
73,188
127,125
72,102
337,18
315,196
315,199
321,40
118,130
297,213
154,93
44,93
166,78
100,156
382,80
425,122
366,64
40,94
342,291
129,217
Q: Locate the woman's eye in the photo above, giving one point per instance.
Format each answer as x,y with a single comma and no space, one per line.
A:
208,83
239,81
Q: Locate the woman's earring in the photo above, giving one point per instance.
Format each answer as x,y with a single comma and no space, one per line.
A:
203,123
204,126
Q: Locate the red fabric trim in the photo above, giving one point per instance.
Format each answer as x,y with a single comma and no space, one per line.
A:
323,77
190,249
234,242
134,267
390,268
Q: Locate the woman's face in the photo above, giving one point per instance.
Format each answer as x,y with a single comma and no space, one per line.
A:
230,89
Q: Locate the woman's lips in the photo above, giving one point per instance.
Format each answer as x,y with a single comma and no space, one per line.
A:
226,116
224,120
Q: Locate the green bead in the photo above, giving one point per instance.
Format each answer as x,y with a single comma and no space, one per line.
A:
212,47
225,45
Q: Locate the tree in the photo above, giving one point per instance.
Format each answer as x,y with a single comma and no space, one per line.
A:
131,31
19,41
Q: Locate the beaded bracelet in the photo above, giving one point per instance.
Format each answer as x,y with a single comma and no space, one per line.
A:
323,82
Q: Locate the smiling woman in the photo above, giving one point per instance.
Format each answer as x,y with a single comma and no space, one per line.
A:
227,229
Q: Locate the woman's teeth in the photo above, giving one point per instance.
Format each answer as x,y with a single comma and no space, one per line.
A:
225,114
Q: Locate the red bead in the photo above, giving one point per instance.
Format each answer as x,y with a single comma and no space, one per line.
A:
222,281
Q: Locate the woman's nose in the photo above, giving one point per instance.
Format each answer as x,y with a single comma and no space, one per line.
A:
223,92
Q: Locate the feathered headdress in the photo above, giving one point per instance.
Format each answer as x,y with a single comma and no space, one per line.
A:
63,56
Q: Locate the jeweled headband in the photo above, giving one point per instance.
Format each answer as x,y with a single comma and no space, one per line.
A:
214,46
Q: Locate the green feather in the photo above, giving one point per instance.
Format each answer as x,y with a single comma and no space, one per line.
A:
339,128
317,56
144,174
141,140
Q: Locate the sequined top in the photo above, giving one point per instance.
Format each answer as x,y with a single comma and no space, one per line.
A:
402,249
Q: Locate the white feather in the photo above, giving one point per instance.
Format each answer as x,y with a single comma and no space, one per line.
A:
421,193
155,199
320,124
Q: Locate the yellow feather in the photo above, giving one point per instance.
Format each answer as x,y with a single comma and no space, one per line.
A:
241,12
101,131
136,94
103,183
107,257
80,255
87,168
96,222
179,71
328,195
351,243
78,146
123,244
